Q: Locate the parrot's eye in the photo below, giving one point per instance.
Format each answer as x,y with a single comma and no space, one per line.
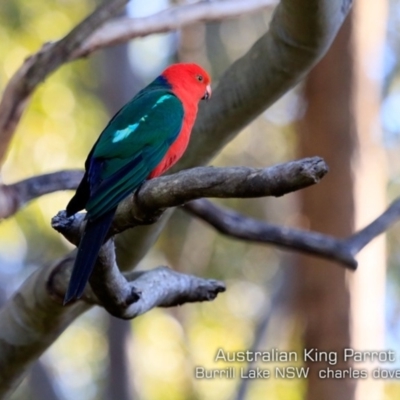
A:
200,78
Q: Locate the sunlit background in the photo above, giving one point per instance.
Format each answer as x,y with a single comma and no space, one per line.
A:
62,122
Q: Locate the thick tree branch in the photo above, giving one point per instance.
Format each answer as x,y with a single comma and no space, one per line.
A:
295,175
240,182
146,205
30,321
14,197
34,317
300,33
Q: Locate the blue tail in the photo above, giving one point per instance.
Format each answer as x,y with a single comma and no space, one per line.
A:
89,247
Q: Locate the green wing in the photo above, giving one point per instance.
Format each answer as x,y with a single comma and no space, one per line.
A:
130,147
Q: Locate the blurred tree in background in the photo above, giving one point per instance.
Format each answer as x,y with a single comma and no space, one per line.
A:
334,114
341,124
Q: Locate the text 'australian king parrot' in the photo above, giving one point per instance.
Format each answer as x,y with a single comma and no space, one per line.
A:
145,138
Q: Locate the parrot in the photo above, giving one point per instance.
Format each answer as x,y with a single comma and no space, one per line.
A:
144,139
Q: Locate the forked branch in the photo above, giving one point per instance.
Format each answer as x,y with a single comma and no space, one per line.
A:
124,298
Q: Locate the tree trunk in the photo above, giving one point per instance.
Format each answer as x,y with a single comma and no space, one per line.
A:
340,124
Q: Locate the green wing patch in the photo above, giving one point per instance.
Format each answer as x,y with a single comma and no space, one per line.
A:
131,146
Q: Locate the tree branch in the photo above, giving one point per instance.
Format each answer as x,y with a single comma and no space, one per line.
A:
112,289
343,251
30,321
226,221
34,317
37,67
236,225
81,41
14,197
147,204
360,239
300,33
124,29
130,295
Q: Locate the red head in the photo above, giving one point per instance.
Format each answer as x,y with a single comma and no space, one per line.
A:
188,81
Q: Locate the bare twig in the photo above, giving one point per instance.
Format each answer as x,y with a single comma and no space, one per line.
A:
239,226
174,18
37,67
343,251
381,224
14,197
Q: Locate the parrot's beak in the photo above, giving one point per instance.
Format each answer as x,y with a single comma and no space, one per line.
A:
207,94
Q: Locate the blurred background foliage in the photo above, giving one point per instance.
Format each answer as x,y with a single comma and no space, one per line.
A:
63,120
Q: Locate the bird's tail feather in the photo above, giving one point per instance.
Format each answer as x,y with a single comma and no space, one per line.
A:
89,247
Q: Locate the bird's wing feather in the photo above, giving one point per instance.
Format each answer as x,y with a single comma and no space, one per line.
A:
151,117
131,146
